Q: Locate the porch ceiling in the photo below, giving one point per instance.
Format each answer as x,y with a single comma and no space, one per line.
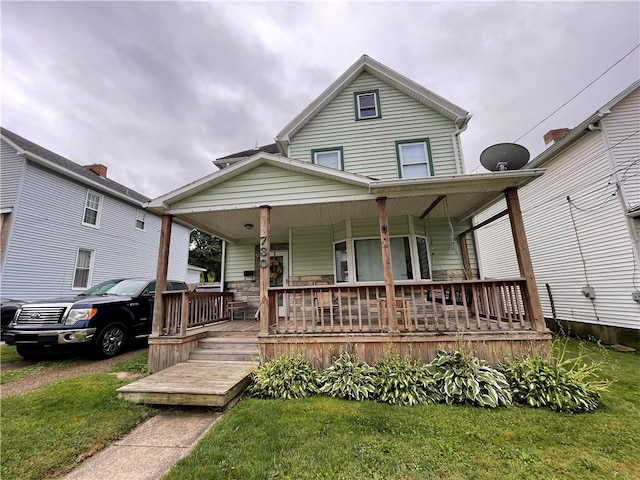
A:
229,223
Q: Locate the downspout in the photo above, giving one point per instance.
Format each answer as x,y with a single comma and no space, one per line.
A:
455,138
222,264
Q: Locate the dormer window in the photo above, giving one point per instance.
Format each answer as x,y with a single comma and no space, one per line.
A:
414,158
367,105
328,157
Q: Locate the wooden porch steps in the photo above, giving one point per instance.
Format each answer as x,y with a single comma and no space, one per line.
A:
193,383
219,348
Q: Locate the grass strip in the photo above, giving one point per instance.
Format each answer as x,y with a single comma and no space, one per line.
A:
324,438
45,432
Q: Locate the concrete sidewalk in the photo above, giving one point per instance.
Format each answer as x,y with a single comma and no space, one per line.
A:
151,449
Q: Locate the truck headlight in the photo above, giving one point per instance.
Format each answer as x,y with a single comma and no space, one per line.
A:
77,314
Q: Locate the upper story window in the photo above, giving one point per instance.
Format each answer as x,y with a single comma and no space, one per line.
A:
141,219
92,208
367,105
414,158
82,273
328,157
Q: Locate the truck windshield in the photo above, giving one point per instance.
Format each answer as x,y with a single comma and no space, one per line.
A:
127,287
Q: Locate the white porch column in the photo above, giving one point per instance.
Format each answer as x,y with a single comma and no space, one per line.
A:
386,264
161,275
264,247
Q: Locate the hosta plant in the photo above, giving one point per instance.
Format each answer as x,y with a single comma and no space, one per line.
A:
284,377
563,387
348,378
405,382
465,379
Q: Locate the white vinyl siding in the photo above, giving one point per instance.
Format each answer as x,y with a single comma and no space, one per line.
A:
582,172
369,146
41,256
621,128
284,185
11,167
82,275
92,209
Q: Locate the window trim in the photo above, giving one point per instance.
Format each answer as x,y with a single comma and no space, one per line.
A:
356,102
75,268
427,144
99,211
144,219
340,151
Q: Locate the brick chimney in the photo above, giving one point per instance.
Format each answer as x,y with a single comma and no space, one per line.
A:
98,168
553,136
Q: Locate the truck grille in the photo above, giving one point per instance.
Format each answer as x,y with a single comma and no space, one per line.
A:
40,314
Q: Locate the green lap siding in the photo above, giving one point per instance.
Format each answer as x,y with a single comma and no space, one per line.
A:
266,184
312,251
369,145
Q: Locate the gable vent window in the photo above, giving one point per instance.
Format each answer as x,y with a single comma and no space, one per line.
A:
367,105
141,219
92,208
414,158
328,157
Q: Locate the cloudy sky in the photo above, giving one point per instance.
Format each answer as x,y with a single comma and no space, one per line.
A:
157,90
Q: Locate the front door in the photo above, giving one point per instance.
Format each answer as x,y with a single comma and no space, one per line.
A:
279,274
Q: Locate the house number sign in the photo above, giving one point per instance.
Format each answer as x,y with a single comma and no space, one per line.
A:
264,260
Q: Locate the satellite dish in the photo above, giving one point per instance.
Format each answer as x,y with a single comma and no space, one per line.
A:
504,156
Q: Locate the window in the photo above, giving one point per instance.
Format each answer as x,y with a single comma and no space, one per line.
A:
82,275
367,105
423,258
328,157
368,253
341,262
141,219
92,209
414,158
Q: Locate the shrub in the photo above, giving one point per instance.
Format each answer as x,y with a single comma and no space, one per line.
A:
284,377
348,378
465,379
568,386
405,382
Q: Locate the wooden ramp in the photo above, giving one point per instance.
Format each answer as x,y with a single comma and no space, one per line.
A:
193,383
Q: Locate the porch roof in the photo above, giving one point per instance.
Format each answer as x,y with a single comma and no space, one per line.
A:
208,205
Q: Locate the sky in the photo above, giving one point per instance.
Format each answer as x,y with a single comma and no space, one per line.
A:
158,90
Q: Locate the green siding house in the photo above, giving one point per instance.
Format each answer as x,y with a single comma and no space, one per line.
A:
354,230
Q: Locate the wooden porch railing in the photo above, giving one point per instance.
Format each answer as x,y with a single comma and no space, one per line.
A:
184,310
472,305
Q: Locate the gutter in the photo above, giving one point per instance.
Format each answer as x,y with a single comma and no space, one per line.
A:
457,153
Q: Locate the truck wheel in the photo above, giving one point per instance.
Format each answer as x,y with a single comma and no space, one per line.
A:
30,353
111,340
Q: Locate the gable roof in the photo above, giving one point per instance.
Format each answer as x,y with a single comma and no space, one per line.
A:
71,169
204,183
582,129
387,75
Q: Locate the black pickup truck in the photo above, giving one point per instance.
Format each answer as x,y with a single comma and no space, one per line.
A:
101,320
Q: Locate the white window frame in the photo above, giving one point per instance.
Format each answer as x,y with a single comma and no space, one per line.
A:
76,267
376,104
427,155
143,220
320,151
98,211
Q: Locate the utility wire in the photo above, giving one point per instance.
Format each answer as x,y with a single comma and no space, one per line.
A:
565,103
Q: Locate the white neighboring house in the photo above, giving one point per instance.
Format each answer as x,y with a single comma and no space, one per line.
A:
66,227
583,224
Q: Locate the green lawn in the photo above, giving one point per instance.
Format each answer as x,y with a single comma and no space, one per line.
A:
47,431
324,438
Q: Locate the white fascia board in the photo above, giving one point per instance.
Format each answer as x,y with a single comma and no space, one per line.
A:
67,173
6,210
472,182
19,150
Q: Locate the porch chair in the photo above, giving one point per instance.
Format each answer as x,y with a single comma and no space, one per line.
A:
237,306
325,305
